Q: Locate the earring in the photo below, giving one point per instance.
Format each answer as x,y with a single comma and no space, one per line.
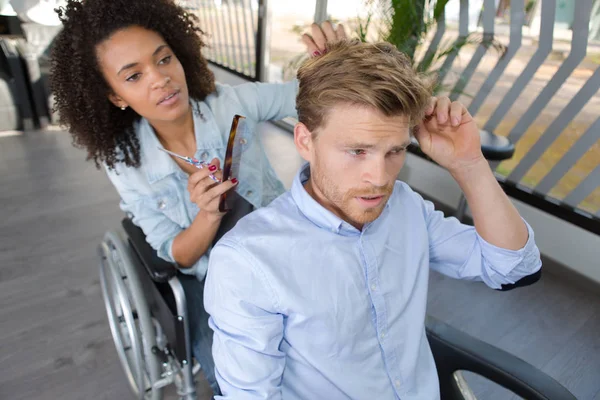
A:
123,108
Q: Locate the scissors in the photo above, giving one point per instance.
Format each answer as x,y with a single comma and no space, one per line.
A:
190,160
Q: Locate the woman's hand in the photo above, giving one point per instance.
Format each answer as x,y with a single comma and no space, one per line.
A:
205,192
316,42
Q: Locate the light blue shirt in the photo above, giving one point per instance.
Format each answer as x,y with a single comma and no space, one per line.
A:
156,195
305,306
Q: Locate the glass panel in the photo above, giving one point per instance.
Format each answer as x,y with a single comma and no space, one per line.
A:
289,20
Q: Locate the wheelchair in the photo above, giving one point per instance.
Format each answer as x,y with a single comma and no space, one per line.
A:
147,313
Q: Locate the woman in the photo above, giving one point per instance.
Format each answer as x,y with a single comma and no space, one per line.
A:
129,77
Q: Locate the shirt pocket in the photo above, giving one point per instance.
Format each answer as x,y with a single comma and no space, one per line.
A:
166,203
245,135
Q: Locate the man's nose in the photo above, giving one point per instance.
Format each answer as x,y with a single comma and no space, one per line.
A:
376,173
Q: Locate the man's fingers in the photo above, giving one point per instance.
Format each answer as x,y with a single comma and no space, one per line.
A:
456,113
442,109
431,106
422,135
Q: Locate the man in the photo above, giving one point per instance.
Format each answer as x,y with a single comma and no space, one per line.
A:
322,294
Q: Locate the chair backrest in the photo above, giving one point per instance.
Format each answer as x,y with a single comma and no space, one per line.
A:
161,270
241,208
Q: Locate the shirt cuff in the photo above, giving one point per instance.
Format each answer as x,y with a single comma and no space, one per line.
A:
523,262
165,251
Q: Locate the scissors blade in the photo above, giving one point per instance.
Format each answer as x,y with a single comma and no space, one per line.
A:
184,158
195,163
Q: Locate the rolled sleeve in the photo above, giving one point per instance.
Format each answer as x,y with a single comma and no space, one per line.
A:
199,268
458,251
268,101
508,266
258,101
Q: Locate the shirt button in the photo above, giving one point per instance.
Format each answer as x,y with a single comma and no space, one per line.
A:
204,156
243,141
397,382
162,204
382,335
249,193
373,287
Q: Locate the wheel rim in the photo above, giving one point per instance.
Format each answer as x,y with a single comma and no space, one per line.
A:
122,322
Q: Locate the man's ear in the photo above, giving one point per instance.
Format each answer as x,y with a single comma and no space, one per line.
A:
116,100
303,139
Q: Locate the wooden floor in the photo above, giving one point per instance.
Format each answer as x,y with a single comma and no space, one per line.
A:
54,338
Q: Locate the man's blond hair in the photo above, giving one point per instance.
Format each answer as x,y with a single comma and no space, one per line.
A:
374,75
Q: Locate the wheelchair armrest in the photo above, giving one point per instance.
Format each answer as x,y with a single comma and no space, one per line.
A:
158,269
454,350
525,281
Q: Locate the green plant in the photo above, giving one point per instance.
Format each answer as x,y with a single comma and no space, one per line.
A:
406,23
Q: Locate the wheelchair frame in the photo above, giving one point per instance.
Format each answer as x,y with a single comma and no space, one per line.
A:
150,330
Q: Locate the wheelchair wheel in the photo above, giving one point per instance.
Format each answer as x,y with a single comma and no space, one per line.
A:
129,318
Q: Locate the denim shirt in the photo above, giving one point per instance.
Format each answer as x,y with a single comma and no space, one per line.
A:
155,194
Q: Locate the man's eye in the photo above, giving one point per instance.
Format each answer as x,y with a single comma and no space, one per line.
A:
165,60
356,152
134,77
397,151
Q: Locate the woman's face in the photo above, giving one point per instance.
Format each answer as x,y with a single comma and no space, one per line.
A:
144,74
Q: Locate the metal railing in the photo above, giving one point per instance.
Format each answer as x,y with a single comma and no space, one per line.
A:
551,156
558,140
236,31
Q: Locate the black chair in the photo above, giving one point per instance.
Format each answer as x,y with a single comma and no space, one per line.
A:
16,112
455,351
25,99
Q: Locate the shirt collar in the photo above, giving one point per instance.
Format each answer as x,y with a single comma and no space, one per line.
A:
314,211
158,164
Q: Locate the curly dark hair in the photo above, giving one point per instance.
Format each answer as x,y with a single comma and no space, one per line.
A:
80,90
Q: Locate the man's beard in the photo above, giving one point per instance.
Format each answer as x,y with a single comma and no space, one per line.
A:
345,204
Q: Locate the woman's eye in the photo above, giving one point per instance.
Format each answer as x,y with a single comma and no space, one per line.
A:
165,60
134,77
